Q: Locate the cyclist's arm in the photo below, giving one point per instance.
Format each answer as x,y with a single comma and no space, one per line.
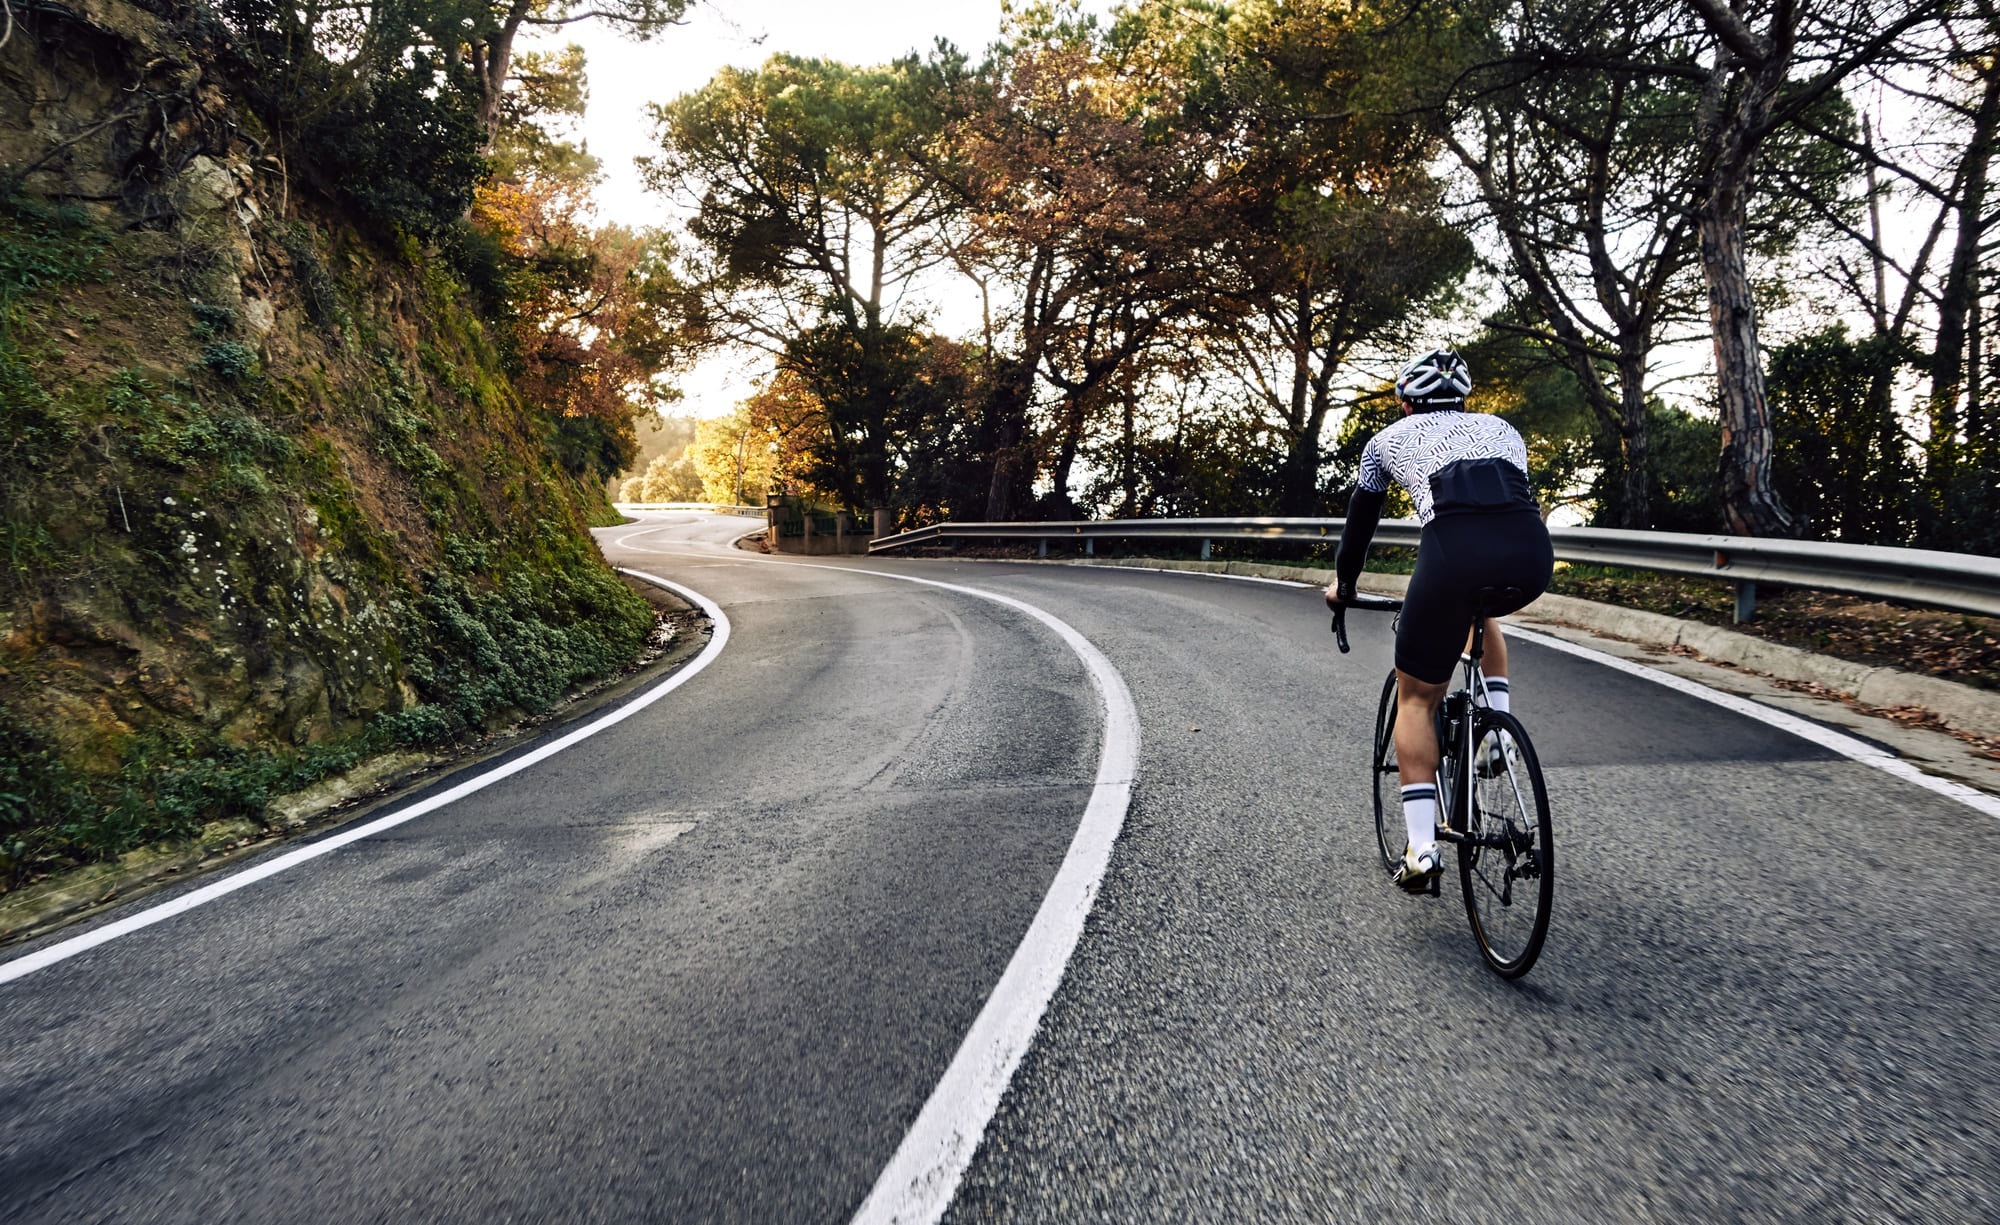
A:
1364,511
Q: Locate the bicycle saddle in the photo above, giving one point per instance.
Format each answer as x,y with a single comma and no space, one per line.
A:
1486,599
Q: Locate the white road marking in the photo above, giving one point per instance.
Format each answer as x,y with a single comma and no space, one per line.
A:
22,966
1239,578
922,1177
1847,746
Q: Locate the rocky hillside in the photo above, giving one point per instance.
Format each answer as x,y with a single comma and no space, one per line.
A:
268,501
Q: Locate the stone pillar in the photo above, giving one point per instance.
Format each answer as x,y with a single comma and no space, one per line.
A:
884,523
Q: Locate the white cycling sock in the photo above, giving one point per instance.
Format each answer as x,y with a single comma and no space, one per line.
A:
1420,810
1499,694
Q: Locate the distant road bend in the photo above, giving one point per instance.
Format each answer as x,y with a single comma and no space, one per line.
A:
711,962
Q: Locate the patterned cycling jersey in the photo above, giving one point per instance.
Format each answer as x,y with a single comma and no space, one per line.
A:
1412,449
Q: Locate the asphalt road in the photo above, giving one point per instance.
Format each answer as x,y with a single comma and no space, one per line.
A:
707,965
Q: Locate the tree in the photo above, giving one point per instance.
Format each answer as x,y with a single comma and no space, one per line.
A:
1576,128
669,478
587,309
1840,460
586,305
1578,169
1749,92
1090,204
761,448
814,216
484,32
1339,227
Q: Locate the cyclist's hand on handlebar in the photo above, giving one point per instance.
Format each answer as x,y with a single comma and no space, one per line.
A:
1339,595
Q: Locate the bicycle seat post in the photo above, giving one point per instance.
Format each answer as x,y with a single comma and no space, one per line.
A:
1484,601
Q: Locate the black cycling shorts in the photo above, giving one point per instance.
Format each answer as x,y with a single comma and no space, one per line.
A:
1458,555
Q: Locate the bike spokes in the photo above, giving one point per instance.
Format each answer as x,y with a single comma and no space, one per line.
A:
1507,861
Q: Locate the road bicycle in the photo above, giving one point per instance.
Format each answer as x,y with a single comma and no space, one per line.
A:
1492,805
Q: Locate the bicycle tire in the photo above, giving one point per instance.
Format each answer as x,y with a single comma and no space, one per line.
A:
1507,863
1390,832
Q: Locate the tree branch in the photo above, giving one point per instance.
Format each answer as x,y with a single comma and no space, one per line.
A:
1722,21
644,23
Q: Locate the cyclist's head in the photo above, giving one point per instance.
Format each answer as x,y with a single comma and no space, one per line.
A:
1438,379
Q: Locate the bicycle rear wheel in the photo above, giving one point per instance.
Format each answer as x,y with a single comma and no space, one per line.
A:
1506,864
1390,833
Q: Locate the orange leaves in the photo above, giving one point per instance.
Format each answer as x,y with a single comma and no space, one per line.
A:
585,329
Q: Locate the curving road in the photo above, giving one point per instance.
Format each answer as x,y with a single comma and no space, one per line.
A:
708,964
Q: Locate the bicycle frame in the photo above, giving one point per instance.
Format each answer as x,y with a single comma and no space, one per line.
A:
1455,738
1456,747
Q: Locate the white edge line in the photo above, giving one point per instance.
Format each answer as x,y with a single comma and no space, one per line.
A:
1240,578
922,1177
43,958
1839,742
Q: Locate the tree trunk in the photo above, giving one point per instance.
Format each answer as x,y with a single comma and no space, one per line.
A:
1298,477
1750,505
1955,300
495,66
1128,456
1634,442
1074,417
1005,491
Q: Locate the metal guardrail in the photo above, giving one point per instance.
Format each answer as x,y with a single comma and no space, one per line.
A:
756,512
1962,582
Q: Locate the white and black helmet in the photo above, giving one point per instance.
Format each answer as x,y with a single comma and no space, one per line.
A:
1437,378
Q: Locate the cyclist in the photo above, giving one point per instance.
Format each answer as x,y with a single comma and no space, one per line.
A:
1467,474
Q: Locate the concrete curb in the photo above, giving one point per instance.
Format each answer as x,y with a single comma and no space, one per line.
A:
1959,706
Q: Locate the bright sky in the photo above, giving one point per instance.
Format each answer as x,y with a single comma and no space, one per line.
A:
626,76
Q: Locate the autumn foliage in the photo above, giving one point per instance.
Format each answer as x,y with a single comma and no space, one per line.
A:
585,315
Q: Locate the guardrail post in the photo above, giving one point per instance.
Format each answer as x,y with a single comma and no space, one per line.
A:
1204,550
1090,546
1746,601
1042,547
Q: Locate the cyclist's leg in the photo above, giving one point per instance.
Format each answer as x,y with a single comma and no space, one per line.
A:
1436,613
1493,663
1417,755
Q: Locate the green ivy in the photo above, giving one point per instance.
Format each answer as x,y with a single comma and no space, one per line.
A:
230,359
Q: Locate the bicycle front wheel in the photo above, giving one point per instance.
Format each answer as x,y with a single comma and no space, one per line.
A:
1506,864
1390,831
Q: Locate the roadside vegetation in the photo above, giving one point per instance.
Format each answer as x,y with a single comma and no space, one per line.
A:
306,413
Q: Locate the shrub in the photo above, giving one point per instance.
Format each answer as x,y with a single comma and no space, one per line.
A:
230,359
